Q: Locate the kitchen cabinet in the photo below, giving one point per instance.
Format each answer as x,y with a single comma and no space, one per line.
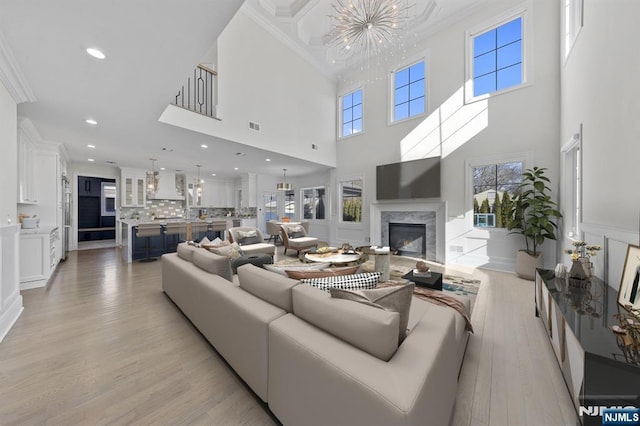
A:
133,187
249,183
89,186
194,196
27,170
38,256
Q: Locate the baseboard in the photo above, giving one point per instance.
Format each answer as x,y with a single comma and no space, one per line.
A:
10,316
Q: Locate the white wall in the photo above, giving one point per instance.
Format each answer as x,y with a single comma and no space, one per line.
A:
10,298
9,157
599,92
262,80
526,120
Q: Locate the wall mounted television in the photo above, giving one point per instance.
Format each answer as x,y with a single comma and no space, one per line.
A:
408,179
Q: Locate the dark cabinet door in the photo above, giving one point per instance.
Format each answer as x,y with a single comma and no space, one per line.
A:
89,186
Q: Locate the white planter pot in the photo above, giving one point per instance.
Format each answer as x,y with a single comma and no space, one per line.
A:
526,264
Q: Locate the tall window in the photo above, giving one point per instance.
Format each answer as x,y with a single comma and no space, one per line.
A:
572,23
313,206
494,186
351,113
351,196
498,58
270,206
408,92
289,204
572,188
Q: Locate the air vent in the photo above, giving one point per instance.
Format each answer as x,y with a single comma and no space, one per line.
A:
254,126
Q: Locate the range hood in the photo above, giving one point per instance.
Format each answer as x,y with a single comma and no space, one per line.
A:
165,187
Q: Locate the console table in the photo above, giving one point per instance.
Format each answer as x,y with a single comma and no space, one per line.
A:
578,320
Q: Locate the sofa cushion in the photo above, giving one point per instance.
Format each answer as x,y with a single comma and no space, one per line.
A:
266,285
248,237
324,272
231,251
213,263
185,251
281,269
348,282
295,231
395,299
370,329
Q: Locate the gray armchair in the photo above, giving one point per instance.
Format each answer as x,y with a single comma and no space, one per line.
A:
295,237
250,239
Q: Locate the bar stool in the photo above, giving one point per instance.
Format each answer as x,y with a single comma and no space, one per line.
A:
218,227
146,231
173,229
198,228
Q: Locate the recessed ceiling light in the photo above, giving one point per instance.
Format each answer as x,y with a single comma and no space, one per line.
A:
267,159
213,174
95,53
235,168
91,159
91,121
161,168
204,146
91,146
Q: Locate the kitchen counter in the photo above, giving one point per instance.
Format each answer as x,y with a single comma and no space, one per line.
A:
46,229
132,245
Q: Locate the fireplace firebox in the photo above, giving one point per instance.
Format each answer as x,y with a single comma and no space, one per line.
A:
408,239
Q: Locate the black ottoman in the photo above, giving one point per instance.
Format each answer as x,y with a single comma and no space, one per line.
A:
254,259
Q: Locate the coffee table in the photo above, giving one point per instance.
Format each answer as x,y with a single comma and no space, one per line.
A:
333,258
433,282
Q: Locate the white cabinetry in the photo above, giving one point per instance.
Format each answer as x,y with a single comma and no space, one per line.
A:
133,187
27,170
249,183
38,256
217,193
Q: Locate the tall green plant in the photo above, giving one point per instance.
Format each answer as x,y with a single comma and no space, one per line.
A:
532,210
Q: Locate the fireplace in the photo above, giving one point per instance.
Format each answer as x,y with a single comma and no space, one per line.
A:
408,239
431,216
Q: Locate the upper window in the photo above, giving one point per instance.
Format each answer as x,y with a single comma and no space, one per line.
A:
313,203
289,204
494,186
351,196
408,92
572,191
351,113
498,57
572,23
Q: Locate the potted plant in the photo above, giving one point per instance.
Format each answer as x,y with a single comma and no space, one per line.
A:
532,216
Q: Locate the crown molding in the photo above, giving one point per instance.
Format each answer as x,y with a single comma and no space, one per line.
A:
11,76
272,29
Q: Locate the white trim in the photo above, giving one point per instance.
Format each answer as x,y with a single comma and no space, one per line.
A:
11,305
12,77
525,11
571,189
422,57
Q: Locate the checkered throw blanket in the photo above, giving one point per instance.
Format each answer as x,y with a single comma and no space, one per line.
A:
438,298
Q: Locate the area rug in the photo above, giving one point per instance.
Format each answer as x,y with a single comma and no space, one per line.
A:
400,265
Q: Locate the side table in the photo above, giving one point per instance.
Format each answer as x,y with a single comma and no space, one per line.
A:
433,282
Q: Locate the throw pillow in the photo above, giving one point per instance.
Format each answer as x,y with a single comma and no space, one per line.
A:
248,237
295,231
324,272
366,280
395,299
232,251
204,240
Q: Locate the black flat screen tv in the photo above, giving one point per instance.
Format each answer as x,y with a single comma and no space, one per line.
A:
408,179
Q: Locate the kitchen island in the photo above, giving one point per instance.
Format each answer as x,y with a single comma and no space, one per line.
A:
133,248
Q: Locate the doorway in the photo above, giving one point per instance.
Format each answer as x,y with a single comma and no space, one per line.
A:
96,212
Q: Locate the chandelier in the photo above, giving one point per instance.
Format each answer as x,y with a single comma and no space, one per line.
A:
366,28
284,185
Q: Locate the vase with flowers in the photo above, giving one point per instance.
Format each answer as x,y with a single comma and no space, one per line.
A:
581,265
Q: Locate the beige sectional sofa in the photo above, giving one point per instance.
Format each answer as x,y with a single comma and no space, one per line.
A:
281,338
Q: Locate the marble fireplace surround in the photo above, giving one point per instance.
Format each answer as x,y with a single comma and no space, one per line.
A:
411,212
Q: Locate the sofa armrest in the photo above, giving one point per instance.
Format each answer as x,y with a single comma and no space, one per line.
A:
315,378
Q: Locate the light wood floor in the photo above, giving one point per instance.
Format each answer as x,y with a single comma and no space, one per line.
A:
104,345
